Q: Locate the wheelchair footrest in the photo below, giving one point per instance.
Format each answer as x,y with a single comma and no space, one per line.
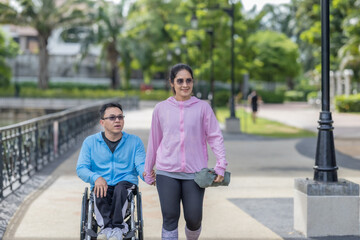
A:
130,234
91,233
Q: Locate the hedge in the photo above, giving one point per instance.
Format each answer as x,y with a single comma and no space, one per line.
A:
295,96
271,96
76,93
222,98
349,103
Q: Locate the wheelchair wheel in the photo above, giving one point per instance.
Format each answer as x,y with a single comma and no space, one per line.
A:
88,225
91,226
140,223
84,210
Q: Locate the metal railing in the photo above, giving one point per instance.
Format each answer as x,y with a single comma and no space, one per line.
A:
27,147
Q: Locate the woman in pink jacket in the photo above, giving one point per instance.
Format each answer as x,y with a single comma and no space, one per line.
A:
181,127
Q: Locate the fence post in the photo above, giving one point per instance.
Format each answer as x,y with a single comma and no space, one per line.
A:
48,143
1,167
36,147
19,155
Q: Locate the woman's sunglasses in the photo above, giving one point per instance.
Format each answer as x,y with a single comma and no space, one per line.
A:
180,81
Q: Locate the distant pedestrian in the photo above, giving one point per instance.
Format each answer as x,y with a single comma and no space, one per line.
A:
181,127
254,100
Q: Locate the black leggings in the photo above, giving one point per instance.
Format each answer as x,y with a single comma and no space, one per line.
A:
171,191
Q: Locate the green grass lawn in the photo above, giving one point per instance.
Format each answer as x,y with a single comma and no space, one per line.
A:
263,127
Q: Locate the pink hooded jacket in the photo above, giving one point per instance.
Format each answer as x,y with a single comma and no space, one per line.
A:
178,136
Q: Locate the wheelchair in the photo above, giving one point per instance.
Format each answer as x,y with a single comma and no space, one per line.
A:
133,217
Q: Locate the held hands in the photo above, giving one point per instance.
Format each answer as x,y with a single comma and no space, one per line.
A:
152,176
219,178
101,187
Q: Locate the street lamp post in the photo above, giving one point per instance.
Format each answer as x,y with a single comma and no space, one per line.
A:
210,32
325,168
232,100
232,123
319,204
212,80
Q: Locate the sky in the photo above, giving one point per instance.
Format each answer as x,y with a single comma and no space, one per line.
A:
248,4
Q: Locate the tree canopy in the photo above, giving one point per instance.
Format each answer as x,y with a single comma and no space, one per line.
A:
8,49
277,44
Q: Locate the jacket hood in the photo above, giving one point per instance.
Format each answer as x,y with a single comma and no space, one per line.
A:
193,100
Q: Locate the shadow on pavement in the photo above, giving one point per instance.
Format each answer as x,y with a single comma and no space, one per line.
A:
277,215
307,147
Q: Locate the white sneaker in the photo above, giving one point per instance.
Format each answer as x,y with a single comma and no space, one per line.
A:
116,234
104,234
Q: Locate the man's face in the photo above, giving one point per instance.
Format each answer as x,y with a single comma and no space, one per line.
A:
113,121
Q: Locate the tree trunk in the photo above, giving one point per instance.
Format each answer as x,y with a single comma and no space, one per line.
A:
126,76
113,56
114,76
43,77
290,83
147,76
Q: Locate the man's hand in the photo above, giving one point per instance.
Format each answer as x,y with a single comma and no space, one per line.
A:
219,178
101,187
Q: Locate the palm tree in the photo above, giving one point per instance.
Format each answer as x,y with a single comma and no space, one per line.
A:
107,28
8,49
350,52
44,16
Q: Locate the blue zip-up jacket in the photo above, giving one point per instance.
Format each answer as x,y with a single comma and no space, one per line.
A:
125,164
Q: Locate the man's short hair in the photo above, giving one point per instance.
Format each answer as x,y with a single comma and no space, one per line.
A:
108,105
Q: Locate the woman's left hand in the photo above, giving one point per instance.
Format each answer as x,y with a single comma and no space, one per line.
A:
219,178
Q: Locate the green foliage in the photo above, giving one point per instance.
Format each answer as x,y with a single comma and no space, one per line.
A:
278,54
8,49
308,16
222,98
312,96
44,16
294,96
271,96
349,103
107,24
30,90
157,95
8,91
263,127
66,85
80,86
349,52
149,36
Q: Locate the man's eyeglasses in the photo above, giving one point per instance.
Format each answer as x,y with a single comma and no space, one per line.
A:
181,81
113,118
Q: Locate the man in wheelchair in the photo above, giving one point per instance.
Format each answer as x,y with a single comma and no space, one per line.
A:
111,162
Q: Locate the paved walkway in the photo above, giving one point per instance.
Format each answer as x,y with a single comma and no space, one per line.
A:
302,115
256,206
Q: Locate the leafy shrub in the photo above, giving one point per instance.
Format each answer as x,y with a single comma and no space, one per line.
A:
348,103
72,85
312,95
222,98
157,95
7,91
65,85
295,96
271,96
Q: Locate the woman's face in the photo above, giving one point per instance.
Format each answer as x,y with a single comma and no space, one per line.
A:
183,85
